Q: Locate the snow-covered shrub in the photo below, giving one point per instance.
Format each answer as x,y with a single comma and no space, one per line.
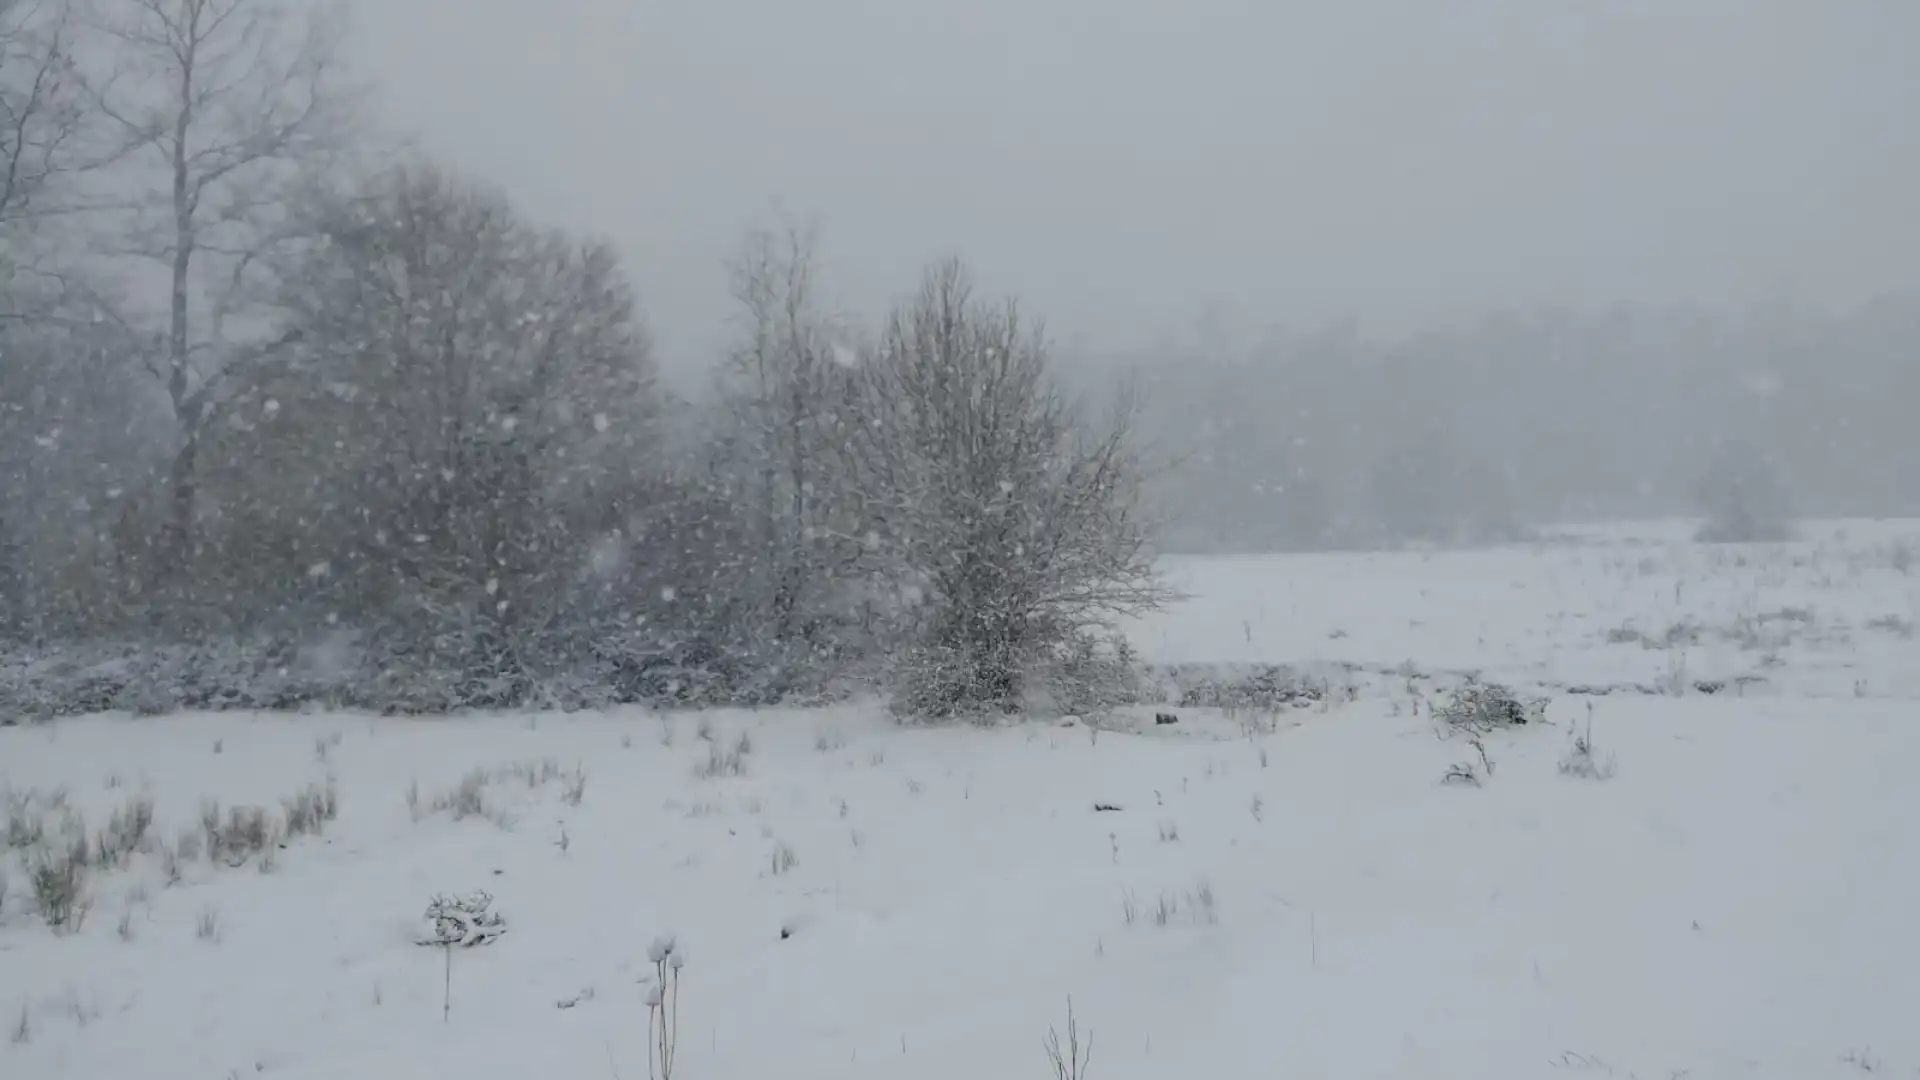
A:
27,813
988,494
462,921
57,874
1260,688
938,681
309,809
730,761
465,921
126,830
1092,676
1583,761
466,799
245,832
1482,708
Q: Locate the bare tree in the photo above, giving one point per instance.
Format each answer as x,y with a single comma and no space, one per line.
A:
221,109
983,489
456,419
41,113
787,394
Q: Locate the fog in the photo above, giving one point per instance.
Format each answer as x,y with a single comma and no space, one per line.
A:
600,351
1129,166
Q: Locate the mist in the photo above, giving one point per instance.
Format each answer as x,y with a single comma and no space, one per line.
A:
486,336
1129,167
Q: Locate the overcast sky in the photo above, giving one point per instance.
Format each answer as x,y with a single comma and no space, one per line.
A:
1124,165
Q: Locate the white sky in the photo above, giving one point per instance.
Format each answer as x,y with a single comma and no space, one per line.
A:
1125,164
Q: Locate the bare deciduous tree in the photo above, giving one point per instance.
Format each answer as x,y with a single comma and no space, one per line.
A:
983,488
41,114
452,429
787,395
220,108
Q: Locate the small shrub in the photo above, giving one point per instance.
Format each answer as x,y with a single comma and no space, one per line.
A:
57,874
1262,690
1894,625
1069,1059
1481,709
784,859
206,926
1092,676
1581,760
729,762
309,810
26,821
574,786
464,921
467,799
1205,905
245,832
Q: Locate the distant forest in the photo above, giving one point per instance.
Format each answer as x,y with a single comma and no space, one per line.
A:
1477,432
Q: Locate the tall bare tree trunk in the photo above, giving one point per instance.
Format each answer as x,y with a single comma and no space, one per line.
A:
182,486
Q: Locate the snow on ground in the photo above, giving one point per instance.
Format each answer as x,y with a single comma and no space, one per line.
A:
1831,615
1736,901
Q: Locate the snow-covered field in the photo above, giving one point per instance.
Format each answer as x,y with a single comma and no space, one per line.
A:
1290,896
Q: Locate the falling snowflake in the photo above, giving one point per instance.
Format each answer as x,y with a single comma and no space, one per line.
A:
600,422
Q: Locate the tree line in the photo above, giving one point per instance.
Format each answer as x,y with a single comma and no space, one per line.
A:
1487,429
306,428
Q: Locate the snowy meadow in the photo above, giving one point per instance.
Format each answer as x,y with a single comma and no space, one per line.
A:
1694,859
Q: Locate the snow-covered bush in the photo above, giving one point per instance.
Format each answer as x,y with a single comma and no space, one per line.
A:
309,809
57,875
1258,689
246,831
463,922
988,494
1091,676
1482,708
1583,761
126,831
